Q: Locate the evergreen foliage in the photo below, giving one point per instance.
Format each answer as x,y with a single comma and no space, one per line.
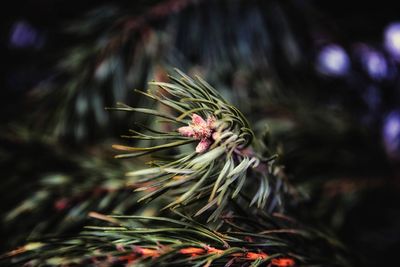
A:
290,158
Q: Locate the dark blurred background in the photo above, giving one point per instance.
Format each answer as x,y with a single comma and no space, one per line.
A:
324,76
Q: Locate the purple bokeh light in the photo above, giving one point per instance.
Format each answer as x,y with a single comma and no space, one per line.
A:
392,40
391,134
373,62
24,35
333,60
376,65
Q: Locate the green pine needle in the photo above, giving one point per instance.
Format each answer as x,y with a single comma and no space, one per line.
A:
222,169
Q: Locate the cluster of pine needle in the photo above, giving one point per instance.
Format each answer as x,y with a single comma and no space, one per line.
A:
211,219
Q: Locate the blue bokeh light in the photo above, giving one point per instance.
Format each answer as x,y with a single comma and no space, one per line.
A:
333,60
24,35
373,62
391,134
392,40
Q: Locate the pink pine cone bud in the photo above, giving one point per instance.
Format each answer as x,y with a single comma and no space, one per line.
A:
186,131
216,135
198,121
211,122
200,129
203,145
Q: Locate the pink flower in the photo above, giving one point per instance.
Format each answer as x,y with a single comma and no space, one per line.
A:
201,130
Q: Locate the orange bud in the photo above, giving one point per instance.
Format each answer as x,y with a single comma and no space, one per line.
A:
148,252
191,250
129,258
283,262
255,256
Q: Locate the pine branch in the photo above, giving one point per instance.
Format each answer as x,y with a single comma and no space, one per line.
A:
172,242
224,161
52,192
216,177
